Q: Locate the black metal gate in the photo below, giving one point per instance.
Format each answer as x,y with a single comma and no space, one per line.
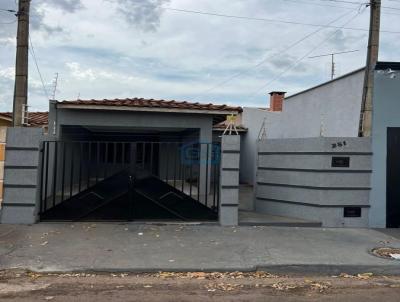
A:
393,178
102,180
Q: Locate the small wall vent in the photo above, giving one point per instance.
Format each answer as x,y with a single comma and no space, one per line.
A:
352,212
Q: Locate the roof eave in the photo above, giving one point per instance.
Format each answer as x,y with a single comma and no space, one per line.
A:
146,109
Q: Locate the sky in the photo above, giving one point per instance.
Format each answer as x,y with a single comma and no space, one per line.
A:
151,49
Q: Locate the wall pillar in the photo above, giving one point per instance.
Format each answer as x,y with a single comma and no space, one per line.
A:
229,180
20,203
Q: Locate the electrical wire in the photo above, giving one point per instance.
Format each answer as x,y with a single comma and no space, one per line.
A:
37,66
270,20
11,22
302,58
286,49
343,1
7,10
317,4
361,3
310,2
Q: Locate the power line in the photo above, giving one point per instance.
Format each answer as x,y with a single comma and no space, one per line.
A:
335,53
302,58
269,20
343,1
311,2
389,7
238,74
37,67
361,3
8,10
317,4
11,22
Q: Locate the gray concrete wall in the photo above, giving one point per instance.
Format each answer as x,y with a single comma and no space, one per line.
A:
21,181
386,113
229,180
329,110
129,120
295,178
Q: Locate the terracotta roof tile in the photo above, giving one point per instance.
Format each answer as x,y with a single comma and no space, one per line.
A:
36,119
151,103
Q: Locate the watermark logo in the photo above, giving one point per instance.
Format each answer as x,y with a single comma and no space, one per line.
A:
196,153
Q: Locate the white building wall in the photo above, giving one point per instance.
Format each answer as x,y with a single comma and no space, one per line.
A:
331,109
252,118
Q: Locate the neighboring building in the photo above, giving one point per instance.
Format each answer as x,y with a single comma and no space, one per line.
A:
307,161
331,109
35,119
385,183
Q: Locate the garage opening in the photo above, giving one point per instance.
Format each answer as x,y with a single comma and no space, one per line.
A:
129,180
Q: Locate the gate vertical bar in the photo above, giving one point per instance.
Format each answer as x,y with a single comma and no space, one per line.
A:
89,163
105,159
181,166
143,154
151,157
71,183
47,144
199,174
63,171
166,162
42,172
207,172
97,161
175,155
80,165
55,173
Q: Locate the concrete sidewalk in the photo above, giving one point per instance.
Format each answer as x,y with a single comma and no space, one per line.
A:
146,248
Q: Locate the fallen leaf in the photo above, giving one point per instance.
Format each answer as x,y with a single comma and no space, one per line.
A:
365,275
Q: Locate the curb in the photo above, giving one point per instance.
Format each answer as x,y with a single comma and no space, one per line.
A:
290,269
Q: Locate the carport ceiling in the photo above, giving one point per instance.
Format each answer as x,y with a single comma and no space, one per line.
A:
101,129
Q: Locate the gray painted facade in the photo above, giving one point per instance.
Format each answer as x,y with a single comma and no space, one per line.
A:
295,178
386,104
331,109
21,176
21,193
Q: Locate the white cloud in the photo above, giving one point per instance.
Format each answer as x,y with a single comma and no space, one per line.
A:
81,74
7,73
128,48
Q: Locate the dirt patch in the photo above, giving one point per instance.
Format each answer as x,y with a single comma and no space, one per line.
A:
191,286
387,253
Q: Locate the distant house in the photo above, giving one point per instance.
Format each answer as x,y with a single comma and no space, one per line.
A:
36,119
304,155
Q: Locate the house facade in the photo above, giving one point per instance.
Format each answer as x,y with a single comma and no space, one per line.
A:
307,161
103,159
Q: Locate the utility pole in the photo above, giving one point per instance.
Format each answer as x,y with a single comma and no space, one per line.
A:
333,64
21,64
365,125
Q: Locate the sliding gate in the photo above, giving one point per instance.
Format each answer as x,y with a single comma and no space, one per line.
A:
99,180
